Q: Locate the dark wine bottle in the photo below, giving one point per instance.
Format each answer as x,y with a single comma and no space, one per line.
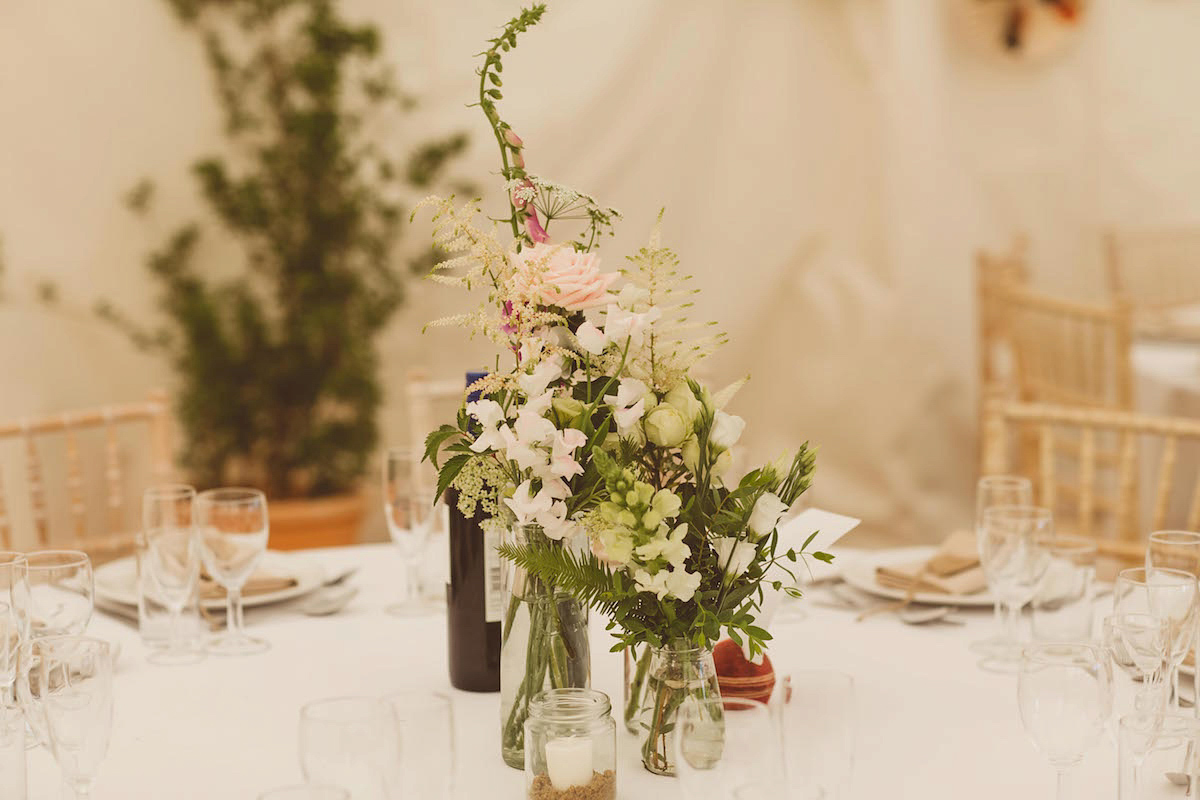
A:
474,599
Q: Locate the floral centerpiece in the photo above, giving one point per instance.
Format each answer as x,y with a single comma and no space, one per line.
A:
603,458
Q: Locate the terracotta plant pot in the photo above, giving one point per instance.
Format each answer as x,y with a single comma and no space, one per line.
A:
317,522
738,677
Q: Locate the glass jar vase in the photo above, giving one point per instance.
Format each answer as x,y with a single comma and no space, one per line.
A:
673,674
570,746
544,644
637,666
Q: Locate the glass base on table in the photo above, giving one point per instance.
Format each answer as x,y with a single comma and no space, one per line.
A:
227,645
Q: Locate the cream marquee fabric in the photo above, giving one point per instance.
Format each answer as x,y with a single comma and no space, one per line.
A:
827,167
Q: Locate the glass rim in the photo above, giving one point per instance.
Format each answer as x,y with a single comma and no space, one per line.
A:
1004,480
1125,573
10,557
569,705
170,490
747,703
1069,543
232,496
1016,510
65,558
1165,536
311,711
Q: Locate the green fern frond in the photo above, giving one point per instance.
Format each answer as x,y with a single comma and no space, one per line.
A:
583,576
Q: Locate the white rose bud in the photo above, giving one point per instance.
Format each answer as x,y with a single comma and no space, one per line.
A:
734,555
665,427
767,512
684,401
726,430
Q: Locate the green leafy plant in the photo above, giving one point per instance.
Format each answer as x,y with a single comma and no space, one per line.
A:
278,364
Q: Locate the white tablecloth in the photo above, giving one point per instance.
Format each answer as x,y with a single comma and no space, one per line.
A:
931,724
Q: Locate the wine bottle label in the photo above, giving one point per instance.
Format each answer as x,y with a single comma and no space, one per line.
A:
493,588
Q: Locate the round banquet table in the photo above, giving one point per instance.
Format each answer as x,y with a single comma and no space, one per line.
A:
931,724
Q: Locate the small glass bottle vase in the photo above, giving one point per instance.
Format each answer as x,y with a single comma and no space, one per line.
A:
674,673
570,746
544,644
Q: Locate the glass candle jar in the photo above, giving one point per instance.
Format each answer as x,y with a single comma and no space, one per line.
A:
570,746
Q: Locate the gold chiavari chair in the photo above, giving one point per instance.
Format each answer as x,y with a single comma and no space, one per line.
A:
61,435
994,274
1156,272
1105,506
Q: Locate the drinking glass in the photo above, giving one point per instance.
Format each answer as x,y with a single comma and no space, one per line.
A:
233,530
816,713
1064,692
306,791
1177,550
1014,557
1137,643
1062,607
727,749
75,683
14,602
12,751
425,723
998,490
59,603
1157,756
172,564
351,742
1168,594
411,518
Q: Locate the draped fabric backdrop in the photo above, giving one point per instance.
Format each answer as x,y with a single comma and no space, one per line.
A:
827,169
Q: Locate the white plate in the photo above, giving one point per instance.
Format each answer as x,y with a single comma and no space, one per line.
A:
861,575
116,581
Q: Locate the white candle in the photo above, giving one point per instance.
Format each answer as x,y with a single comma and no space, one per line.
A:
569,762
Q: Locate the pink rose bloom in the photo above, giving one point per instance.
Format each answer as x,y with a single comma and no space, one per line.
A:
557,275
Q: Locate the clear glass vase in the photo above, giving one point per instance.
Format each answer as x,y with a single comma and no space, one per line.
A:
544,644
673,674
637,667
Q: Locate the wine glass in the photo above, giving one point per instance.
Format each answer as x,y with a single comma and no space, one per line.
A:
998,490
1137,643
172,563
1064,692
816,713
727,748
306,791
58,603
425,722
1165,747
351,742
1168,594
14,601
1062,607
1014,556
411,517
1176,550
233,531
75,684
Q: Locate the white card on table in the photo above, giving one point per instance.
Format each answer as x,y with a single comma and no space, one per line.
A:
828,526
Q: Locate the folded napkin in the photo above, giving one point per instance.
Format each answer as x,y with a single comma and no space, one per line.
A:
261,582
953,569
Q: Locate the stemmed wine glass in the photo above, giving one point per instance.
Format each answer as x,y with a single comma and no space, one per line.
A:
75,685
727,748
1014,556
14,601
1138,644
411,517
1177,550
999,490
1065,696
59,603
172,563
1168,594
233,529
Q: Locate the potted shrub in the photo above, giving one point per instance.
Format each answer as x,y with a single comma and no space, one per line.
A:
277,362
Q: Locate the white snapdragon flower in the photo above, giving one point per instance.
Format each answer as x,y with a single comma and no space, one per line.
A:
526,505
591,338
734,555
562,456
682,584
621,325
546,372
537,405
669,547
726,430
490,416
628,404
524,450
554,521
613,546
634,298
765,515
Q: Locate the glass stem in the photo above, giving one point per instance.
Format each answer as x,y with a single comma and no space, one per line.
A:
1064,789
412,576
233,613
1175,687
175,635
1012,623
